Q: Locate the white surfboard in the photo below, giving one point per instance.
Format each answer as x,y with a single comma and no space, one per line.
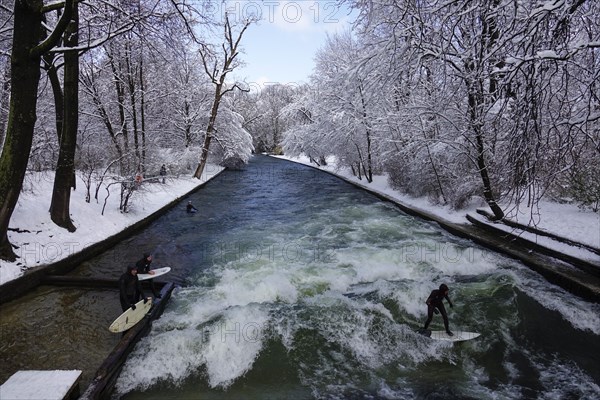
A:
458,336
157,272
130,317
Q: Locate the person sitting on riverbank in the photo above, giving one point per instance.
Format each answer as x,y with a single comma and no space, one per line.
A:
190,207
434,303
143,267
130,289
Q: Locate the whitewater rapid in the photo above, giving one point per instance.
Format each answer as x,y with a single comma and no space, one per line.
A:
322,290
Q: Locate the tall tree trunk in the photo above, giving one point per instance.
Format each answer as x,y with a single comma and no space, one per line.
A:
131,77
209,130
4,99
57,92
117,74
143,111
187,134
230,48
369,170
25,76
90,82
488,193
64,179
474,68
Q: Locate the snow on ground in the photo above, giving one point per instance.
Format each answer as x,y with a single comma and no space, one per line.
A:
47,385
544,241
583,226
564,220
41,242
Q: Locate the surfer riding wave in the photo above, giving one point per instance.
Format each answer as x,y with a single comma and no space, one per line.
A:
435,304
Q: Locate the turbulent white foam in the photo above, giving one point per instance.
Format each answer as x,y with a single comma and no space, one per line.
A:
455,260
231,352
412,298
337,305
403,392
370,265
267,284
565,380
153,360
367,330
226,348
185,310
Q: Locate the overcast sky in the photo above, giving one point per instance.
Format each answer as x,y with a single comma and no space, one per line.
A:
281,47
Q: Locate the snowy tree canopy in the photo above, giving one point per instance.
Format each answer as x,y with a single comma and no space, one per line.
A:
462,99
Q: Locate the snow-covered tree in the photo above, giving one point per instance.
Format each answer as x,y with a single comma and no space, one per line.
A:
233,142
217,65
344,101
26,55
466,98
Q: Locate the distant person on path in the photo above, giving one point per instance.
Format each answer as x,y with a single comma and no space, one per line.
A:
130,289
163,172
190,207
434,303
139,178
143,267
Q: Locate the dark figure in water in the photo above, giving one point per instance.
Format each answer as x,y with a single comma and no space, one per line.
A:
190,207
434,303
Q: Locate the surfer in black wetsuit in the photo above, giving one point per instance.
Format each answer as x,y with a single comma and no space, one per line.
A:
190,207
434,303
130,289
143,267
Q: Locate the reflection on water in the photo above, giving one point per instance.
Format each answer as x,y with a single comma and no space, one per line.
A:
298,285
54,328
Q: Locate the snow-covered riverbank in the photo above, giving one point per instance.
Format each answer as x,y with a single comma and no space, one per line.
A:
41,242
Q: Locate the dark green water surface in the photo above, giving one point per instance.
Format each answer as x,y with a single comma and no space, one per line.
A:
296,285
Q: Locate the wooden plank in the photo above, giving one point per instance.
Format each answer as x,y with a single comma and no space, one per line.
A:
106,376
582,264
78,281
87,282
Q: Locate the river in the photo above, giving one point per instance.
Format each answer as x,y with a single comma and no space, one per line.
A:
297,285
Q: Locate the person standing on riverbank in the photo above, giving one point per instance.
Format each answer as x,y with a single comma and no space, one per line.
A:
163,172
130,289
435,304
143,267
